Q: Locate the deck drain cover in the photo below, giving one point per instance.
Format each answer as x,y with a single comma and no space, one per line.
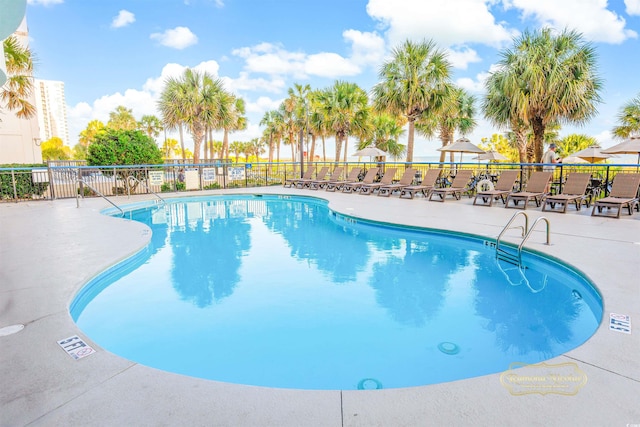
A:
10,330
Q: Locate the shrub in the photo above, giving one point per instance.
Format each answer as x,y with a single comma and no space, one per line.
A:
25,187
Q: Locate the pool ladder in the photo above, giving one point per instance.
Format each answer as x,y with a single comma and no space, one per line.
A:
515,259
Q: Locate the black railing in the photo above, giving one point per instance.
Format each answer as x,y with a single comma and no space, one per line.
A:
60,180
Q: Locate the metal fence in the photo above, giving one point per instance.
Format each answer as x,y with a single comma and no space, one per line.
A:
59,180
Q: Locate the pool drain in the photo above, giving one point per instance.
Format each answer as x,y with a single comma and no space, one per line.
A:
10,330
369,384
449,348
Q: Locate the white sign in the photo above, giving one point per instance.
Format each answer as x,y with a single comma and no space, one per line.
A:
620,323
236,173
156,177
75,347
192,180
209,174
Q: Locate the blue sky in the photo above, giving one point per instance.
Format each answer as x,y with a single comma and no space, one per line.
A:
117,52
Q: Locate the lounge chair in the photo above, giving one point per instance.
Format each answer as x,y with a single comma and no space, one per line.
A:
369,178
405,180
428,183
503,187
301,183
458,186
321,183
536,189
292,181
338,184
574,191
386,179
624,193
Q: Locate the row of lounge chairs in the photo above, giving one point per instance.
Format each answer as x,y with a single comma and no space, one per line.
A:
624,191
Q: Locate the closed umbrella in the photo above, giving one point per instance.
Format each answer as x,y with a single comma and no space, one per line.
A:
462,145
591,154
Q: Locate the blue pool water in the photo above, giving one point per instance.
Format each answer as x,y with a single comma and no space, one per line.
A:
280,291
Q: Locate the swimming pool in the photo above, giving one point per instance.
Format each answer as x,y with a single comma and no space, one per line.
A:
280,291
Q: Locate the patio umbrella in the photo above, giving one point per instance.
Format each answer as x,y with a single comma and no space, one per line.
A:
491,155
591,154
370,151
628,146
573,159
462,145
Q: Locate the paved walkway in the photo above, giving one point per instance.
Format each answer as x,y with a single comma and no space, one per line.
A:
50,249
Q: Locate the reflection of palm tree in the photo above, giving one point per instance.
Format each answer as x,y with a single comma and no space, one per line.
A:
337,252
405,285
205,277
521,320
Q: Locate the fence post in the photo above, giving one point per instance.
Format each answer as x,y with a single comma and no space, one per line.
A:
13,184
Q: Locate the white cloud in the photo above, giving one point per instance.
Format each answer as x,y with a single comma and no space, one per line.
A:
272,59
123,19
461,57
367,48
44,2
633,7
446,22
326,64
177,38
262,105
245,83
589,17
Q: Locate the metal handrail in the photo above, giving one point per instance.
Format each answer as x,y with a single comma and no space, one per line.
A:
82,181
525,229
148,189
533,226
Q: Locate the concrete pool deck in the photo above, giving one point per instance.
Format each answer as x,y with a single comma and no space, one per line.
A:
50,249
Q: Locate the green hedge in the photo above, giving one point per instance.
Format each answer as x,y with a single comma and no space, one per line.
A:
25,187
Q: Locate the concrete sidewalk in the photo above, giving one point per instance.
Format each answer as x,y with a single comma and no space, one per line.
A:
50,249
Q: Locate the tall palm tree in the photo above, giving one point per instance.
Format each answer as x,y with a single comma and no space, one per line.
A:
151,125
287,111
171,106
301,94
628,120
550,78
455,115
412,84
345,107
191,101
384,133
122,118
269,120
17,90
232,117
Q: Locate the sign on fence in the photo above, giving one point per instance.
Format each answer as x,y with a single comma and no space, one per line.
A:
209,174
191,180
236,173
156,177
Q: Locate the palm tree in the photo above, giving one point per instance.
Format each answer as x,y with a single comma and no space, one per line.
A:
18,88
412,84
456,114
231,117
236,147
151,125
549,78
628,120
122,119
301,94
171,108
87,136
384,133
269,120
346,111
194,101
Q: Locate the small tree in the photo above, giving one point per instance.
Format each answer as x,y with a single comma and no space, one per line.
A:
124,147
54,149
